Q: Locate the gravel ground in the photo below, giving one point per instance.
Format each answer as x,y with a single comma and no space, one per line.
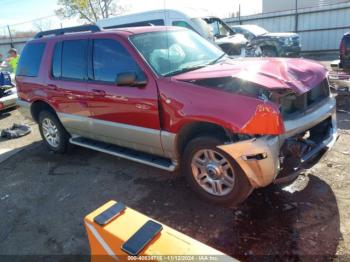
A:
44,198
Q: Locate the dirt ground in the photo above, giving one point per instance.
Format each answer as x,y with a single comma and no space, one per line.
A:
44,198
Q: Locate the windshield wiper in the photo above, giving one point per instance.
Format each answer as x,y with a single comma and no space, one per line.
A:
184,70
217,59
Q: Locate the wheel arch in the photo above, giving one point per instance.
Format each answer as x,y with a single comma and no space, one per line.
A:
269,46
38,106
195,129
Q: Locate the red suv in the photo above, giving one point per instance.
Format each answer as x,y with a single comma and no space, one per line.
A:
166,97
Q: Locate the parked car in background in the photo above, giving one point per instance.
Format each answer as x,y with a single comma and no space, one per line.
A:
231,125
344,52
8,93
230,42
211,28
339,77
264,43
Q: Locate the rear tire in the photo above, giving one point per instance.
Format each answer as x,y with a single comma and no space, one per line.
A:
213,174
52,132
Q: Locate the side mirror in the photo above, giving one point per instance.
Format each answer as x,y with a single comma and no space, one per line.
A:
131,79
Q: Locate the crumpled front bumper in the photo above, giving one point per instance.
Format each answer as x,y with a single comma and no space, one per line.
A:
259,158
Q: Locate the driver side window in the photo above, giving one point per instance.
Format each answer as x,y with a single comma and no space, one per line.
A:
111,58
182,24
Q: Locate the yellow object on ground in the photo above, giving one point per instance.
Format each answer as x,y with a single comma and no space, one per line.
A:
169,245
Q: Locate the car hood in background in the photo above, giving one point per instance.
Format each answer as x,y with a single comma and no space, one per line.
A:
236,39
279,35
297,75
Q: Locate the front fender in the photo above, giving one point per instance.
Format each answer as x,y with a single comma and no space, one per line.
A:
183,103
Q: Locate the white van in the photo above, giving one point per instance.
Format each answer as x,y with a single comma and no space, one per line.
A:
212,28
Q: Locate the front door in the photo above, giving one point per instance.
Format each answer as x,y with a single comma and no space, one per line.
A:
122,115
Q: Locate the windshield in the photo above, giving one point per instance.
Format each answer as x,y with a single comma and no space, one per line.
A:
175,51
256,30
219,28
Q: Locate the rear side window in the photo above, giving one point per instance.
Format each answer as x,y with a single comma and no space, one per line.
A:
70,60
111,58
347,41
182,24
30,60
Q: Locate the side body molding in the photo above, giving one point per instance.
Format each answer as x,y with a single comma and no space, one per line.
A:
147,140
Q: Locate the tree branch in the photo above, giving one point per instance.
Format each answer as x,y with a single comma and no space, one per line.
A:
93,10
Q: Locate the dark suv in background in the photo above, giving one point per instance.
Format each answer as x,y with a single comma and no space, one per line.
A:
264,43
345,51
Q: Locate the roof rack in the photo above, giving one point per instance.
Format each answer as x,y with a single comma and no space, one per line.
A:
75,29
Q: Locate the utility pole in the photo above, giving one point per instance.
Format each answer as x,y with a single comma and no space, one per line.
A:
11,40
239,14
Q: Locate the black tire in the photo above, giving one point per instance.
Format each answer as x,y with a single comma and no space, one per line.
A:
63,135
241,189
269,51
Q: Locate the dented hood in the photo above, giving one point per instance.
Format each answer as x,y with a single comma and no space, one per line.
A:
297,75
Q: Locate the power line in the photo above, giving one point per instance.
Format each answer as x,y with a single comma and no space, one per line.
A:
37,19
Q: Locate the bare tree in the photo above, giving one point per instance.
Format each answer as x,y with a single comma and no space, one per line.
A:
42,24
89,10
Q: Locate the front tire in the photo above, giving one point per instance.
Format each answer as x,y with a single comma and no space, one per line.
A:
52,132
213,174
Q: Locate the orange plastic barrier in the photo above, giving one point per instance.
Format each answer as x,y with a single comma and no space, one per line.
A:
169,245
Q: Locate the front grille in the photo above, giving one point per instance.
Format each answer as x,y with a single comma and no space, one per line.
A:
293,104
296,148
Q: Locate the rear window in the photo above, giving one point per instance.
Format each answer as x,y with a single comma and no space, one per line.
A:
70,60
30,60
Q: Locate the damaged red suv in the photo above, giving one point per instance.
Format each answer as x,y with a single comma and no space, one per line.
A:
166,97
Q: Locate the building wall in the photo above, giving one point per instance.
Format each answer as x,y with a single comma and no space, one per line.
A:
284,5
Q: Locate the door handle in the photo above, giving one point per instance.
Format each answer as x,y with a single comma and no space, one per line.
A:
99,92
52,86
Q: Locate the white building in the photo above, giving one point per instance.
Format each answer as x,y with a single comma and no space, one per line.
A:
269,6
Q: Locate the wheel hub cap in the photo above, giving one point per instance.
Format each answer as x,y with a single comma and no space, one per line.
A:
50,132
213,172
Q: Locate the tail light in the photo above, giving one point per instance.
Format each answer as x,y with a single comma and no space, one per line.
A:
342,48
2,105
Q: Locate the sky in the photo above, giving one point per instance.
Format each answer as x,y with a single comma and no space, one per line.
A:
19,12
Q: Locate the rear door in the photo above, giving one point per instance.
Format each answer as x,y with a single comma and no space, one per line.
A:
122,115
68,81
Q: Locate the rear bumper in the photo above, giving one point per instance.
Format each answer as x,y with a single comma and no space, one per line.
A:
259,158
